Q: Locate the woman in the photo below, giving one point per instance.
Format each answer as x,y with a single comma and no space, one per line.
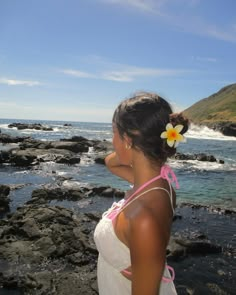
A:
133,234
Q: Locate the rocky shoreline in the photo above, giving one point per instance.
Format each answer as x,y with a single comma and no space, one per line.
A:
227,128
46,248
66,151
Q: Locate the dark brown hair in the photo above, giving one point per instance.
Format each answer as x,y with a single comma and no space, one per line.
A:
143,118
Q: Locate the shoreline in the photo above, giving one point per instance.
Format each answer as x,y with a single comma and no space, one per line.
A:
46,242
28,153
195,246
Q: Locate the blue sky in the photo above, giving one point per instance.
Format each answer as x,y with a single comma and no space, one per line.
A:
77,59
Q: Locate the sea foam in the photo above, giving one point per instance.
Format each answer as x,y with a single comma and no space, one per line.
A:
203,132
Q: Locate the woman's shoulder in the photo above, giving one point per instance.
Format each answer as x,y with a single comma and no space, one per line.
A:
153,208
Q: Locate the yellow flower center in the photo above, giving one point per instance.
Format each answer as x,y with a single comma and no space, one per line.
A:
172,134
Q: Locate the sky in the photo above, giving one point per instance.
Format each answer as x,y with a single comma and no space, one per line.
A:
75,60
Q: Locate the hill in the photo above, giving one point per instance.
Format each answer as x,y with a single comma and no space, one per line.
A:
217,111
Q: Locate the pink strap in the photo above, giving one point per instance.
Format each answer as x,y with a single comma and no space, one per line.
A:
164,279
165,171
167,280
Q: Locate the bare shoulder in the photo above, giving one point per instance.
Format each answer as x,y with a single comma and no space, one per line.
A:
147,232
155,204
150,215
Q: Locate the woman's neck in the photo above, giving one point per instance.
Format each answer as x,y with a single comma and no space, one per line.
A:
143,170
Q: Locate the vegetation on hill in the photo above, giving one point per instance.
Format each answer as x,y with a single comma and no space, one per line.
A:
216,109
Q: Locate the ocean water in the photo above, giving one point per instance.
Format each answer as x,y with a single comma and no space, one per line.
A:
202,183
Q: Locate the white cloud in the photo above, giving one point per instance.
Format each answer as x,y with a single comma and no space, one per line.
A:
117,76
145,5
206,59
188,21
123,73
130,73
77,73
4,104
228,34
13,82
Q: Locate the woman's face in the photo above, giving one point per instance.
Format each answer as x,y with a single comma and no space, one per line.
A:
119,145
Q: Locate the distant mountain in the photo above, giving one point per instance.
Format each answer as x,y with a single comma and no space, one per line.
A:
217,111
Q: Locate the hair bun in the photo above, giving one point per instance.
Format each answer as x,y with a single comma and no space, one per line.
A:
179,118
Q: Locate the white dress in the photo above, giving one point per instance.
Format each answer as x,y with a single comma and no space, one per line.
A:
114,256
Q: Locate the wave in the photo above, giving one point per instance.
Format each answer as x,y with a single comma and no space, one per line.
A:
202,166
4,126
203,132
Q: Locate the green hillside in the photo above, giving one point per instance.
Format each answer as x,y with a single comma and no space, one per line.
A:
219,107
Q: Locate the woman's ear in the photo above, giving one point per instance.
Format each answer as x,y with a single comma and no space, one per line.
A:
127,141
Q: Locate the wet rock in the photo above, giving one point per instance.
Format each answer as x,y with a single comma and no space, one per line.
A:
177,216
34,143
32,156
23,157
60,158
215,289
209,208
36,126
6,138
63,283
180,247
99,146
199,157
229,129
100,160
108,192
4,156
4,190
103,146
205,158
45,195
4,199
76,139
18,186
185,290
31,228
32,151
226,128
48,250
76,147
70,146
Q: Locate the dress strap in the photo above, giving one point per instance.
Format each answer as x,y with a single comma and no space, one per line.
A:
149,190
165,172
164,279
168,174
171,198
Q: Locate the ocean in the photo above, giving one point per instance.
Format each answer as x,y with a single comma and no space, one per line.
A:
203,183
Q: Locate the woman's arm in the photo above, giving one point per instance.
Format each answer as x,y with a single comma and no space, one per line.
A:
148,241
123,171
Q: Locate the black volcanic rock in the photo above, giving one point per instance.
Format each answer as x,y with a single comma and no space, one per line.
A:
36,126
4,199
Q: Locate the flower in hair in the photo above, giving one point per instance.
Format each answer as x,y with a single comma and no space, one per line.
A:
172,134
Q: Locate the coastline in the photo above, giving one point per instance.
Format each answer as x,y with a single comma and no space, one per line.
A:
46,230
55,244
